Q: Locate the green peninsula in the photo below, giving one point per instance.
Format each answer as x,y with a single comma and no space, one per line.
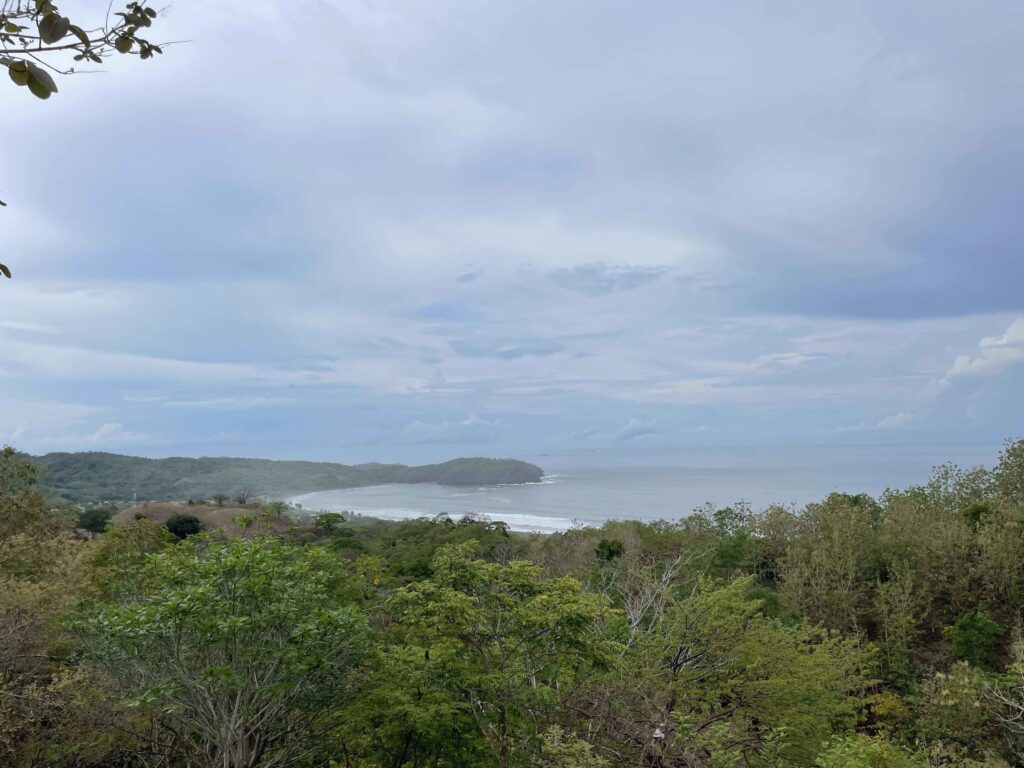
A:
95,476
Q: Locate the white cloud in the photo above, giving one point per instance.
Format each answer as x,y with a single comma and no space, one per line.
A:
26,423
107,434
635,429
471,430
568,216
228,403
1014,336
897,420
994,354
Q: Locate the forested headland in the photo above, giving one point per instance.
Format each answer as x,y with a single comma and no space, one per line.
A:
95,476
852,632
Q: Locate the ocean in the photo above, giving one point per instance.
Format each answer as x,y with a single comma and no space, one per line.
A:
585,489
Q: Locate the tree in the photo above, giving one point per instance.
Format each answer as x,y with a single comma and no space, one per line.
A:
609,549
276,508
866,752
22,508
243,496
505,641
974,637
220,498
233,647
829,567
329,522
95,520
1006,700
35,37
184,526
40,574
566,750
715,682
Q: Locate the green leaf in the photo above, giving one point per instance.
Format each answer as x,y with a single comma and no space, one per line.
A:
123,44
19,75
40,81
6,272
78,32
53,28
38,89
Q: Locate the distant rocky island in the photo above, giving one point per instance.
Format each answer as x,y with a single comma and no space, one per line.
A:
94,476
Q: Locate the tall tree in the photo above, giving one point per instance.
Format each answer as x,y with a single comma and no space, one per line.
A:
506,641
235,647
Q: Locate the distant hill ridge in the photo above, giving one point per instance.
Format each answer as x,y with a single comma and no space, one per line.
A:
95,476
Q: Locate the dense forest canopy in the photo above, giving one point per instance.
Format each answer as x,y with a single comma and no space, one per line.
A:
852,633
91,477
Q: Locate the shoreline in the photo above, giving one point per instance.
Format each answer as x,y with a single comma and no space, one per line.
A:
519,522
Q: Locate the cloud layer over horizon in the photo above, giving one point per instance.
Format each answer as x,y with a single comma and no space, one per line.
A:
407,231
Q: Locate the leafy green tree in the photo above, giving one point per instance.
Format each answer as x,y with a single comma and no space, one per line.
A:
329,521
609,549
974,637
1008,475
96,519
831,563
276,508
504,640
220,499
125,546
233,647
953,718
715,682
1005,700
866,752
560,749
184,526
23,515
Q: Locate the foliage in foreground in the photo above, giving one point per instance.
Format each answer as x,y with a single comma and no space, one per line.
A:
853,633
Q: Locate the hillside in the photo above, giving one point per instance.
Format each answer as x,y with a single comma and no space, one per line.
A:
112,477
212,518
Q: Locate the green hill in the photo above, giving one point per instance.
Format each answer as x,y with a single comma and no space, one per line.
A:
113,477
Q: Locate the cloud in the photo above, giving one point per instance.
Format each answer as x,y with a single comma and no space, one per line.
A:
469,277
602,279
635,429
897,420
994,354
427,224
505,349
228,403
107,435
470,431
27,423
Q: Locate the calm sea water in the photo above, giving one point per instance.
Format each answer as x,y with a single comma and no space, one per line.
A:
578,490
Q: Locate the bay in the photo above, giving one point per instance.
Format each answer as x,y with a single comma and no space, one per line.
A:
588,489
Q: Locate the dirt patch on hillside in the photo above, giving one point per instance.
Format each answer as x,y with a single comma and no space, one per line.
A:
231,520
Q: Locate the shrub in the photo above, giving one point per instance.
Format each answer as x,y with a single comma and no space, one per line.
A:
609,549
184,526
974,637
95,520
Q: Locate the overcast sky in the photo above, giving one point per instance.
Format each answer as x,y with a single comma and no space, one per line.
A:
413,230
